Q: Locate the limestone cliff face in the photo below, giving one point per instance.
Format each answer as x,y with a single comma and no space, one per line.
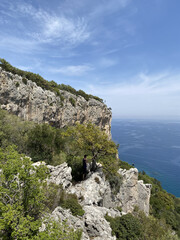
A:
31,102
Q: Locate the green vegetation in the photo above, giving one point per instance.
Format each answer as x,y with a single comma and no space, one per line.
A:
70,201
125,165
72,101
17,84
89,139
163,206
40,81
125,227
44,143
56,196
24,80
20,213
137,226
22,200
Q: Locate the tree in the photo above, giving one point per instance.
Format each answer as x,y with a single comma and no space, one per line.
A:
22,200
21,196
89,139
44,142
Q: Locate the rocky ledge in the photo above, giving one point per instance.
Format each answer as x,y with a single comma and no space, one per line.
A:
97,200
31,102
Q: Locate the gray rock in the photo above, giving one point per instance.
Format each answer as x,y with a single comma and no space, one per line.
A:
133,192
95,190
31,102
95,223
60,214
60,175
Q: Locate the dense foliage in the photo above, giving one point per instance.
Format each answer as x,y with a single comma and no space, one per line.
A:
40,81
22,200
137,226
164,206
125,227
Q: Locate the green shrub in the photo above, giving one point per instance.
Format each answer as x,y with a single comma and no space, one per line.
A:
125,227
115,182
17,84
44,142
53,194
24,80
76,164
125,165
70,201
72,101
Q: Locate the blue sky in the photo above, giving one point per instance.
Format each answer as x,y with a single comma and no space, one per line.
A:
124,51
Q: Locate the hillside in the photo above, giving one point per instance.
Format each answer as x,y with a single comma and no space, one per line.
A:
103,189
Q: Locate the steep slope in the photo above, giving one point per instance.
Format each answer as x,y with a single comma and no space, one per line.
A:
30,102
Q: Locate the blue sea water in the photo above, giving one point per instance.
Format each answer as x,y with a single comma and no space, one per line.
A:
152,146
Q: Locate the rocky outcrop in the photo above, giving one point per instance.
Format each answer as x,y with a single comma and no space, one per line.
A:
31,102
93,223
60,175
96,191
133,192
97,199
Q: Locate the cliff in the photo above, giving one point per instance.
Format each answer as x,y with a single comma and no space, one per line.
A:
31,102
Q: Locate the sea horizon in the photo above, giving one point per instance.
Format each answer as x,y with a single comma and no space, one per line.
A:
153,146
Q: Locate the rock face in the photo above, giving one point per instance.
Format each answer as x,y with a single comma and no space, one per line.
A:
96,191
60,175
93,223
31,102
97,199
133,192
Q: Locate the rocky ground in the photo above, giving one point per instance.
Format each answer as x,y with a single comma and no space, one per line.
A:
97,199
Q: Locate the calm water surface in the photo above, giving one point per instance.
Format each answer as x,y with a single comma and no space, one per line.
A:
152,146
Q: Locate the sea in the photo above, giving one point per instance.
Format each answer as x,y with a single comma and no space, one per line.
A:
152,146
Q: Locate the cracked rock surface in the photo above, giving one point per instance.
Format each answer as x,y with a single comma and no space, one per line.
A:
96,198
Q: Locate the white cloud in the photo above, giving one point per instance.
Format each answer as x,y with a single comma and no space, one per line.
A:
53,28
76,70
143,96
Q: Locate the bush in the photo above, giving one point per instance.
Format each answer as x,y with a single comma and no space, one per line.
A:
125,227
70,201
24,80
44,142
76,164
125,165
17,84
72,101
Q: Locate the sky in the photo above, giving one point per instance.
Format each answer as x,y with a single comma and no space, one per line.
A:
124,51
